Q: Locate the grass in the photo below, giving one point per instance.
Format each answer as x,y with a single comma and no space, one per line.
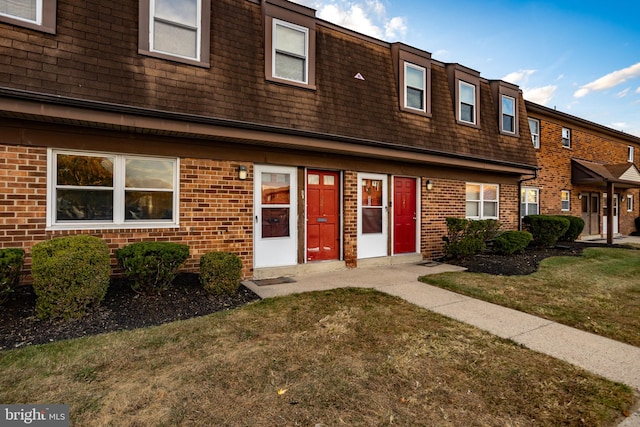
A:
598,292
343,357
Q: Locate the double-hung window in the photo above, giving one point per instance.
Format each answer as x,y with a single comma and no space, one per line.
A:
415,79
629,203
177,30
35,14
482,201
566,137
102,190
630,153
508,109
534,127
467,102
565,199
529,201
290,51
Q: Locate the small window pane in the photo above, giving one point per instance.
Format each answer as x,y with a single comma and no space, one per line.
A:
290,67
466,113
175,40
473,209
183,12
329,180
415,98
508,123
490,209
23,9
473,192
508,106
290,40
275,222
371,220
148,205
145,173
84,205
84,171
467,94
313,179
415,77
490,192
275,188
371,192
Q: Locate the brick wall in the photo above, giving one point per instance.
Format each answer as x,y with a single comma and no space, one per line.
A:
350,218
216,209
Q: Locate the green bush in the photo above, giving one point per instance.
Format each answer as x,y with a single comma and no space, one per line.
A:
70,274
468,237
546,229
11,262
510,242
220,273
576,225
151,266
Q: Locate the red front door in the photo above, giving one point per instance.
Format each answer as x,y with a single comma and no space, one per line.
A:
404,215
323,216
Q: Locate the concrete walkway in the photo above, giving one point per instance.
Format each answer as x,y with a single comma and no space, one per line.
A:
608,358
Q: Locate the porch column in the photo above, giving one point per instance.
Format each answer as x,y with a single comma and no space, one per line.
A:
610,189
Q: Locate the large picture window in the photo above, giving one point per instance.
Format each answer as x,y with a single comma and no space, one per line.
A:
34,14
89,190
482,201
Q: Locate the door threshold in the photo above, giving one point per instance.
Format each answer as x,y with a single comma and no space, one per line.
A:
299,269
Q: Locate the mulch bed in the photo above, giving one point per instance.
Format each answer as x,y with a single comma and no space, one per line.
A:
121,309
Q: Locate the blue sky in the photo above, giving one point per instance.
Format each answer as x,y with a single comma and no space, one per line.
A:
581,57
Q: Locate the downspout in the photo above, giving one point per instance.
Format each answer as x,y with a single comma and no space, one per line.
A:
535,176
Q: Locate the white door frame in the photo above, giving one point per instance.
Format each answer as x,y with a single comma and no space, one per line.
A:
616,217
275,251
371,245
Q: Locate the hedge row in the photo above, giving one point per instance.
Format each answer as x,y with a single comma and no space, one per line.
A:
71,274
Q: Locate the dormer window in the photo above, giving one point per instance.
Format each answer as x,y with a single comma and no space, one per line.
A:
37,15
467,102
415,79
290,51
506,98
508,114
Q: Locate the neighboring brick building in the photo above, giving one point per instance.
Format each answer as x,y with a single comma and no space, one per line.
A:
583,166
246,126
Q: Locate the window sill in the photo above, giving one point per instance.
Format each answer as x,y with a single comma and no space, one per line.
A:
108,226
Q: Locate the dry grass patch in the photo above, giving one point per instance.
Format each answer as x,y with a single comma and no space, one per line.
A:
345,357
598,292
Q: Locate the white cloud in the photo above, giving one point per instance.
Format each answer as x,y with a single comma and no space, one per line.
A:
610,80
368,17
623,93
619,125
520,77
638,90
540,95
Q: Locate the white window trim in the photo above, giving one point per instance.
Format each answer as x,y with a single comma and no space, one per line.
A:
424,87
524,191
295,27
535,137
568,193
566,131
37,21
475,102
481,201
515,118
630,154
198,28
629,203
119,221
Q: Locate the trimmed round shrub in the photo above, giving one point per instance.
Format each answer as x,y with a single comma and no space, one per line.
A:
510,242
546,229
151,266
467,237
576,225
70,275
11,262
220,273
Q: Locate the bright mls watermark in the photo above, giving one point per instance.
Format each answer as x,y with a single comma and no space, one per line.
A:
34,415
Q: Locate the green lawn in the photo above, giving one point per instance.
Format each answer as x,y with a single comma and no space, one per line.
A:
598,292
343,357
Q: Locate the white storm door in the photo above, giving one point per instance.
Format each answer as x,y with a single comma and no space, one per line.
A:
615,217
373,216
275,216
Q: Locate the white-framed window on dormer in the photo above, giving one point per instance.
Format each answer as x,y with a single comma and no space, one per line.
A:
175,27
566,137
415,79
630,154
534,127
508,110
290,51
34,14
467,102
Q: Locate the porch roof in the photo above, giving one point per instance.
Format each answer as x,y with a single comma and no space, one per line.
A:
623,175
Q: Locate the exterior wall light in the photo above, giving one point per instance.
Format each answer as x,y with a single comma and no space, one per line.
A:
429,184
242,172
580,196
